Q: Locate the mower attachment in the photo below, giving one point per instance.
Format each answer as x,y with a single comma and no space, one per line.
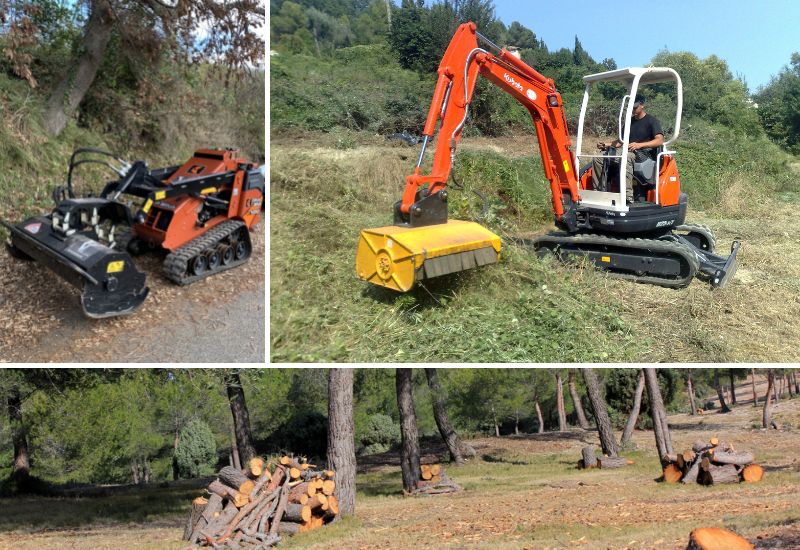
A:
397,257
108,279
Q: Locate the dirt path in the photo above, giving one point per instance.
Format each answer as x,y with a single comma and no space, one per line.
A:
219,319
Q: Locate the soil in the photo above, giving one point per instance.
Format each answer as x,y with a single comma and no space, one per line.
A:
41,319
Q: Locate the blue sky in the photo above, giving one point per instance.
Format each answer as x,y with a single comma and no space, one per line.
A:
756,38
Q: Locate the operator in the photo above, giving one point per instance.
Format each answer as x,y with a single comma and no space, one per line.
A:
645,137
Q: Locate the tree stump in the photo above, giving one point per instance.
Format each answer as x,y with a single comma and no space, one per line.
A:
198,505
715,538
726,473
589,458
752,473
672,473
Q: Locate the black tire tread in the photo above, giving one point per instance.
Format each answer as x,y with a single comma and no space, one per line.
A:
176,265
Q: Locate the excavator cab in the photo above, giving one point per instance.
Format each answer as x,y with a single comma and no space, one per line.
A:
659,179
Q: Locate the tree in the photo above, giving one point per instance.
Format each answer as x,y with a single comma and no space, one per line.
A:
778,107
732,376
690,391
241,418
765,417
196,453
627,433
449,435
576,400
21,469
607,440
341,438
723,407
562,415
151,31
520,36
409,450
753,381
658,414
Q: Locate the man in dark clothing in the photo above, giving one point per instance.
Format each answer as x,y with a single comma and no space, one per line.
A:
645,137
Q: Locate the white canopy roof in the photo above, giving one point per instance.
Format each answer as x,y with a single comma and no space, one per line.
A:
650,75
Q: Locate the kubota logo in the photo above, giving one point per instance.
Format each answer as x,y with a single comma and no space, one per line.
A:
510,80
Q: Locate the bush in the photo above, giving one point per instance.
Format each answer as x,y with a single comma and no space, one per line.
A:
306,433
380,434
196,454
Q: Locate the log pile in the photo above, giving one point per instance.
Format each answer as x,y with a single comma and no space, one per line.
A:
257,505
434,481
590,460
712,463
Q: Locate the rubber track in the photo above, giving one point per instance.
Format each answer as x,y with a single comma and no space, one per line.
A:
642,246
702,229
176,266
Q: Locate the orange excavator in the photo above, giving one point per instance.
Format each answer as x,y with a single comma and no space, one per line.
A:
645,241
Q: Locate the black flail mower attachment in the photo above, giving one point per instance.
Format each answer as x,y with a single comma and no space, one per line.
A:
86,240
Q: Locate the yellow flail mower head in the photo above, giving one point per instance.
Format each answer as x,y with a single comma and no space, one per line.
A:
423,245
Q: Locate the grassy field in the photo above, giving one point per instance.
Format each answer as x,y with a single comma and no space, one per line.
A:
519,492
325,188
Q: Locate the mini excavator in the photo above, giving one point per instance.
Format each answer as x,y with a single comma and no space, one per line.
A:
646,241
200,213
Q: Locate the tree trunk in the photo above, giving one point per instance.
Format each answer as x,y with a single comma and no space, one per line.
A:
241,418
389,13
409,451
607,440
21,470
627,433
562,414
79,77
755,396
588,457
135,472
659,415
341,438
775,393
449,435
723,407
539,416
576,400
690,390
733,386
789,385
237,463
175,443
796,385
496,425
765,420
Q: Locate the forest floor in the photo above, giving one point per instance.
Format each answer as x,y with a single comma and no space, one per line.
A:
41,318
519,492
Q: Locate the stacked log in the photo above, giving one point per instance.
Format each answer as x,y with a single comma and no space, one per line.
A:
257,505
434,481
715,538
590,460
715,462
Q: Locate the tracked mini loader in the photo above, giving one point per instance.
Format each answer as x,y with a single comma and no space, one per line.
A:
200,213
646,241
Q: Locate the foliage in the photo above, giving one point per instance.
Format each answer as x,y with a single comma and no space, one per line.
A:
380,434
196,453
779,106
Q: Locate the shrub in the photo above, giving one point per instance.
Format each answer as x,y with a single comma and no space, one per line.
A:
196,453
380,434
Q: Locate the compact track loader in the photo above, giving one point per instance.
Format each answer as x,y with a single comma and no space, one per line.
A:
200,213
645,241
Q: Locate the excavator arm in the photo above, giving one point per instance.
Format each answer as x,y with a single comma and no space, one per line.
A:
458,72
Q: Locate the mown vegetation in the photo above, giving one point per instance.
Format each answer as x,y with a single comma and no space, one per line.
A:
333,174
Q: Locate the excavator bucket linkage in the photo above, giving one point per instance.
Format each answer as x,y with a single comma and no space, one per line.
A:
398,257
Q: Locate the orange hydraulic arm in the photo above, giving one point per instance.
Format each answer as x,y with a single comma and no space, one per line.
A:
458,72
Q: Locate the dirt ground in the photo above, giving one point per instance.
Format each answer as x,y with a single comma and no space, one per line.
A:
519,492
41,319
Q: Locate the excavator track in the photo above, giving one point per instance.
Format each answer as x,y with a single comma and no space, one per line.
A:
224,247
652,261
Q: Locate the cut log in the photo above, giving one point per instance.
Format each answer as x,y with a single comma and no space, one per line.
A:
688,456
425,472
288,528
752,473
333,507
436,479
726,473
213,506
739,459
220,523
680,462
436,469
715,538
672,474
328,487
295,473
317,501
611,462
701,447
255,467
219,488
198,505
290,462
276,521
330,474
589,458
232,477
277,478
297,513
691,473
714,441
